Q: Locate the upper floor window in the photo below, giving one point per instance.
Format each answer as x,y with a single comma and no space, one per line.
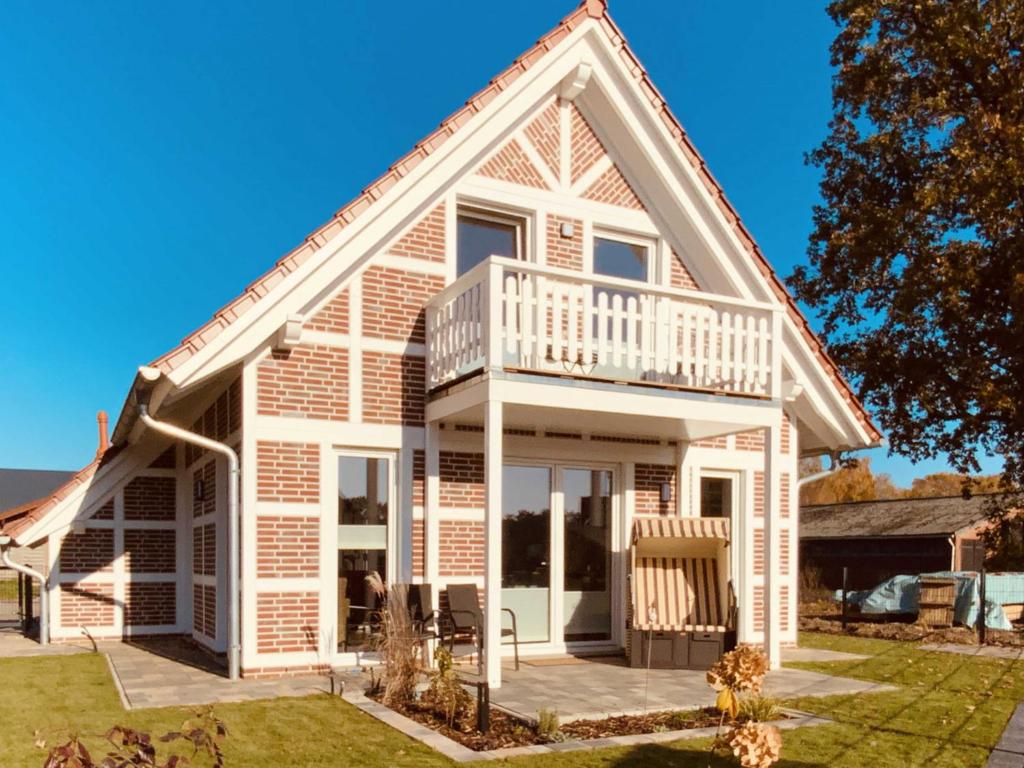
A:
621,258
482,234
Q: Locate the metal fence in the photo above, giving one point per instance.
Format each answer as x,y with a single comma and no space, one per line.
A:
19,600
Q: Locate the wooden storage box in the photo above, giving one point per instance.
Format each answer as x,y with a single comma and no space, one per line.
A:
706,648
668,650
935,607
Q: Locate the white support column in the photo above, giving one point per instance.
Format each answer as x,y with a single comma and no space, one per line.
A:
493,460
773,464
684,494
431,504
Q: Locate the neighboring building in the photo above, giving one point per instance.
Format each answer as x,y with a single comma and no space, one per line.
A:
879,539
21,490
543,322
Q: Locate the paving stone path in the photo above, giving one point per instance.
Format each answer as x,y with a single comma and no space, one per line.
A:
987,651
1009,752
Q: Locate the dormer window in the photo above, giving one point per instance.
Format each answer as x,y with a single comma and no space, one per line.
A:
482,234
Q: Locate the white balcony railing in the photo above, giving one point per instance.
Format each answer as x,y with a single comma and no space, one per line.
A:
513,315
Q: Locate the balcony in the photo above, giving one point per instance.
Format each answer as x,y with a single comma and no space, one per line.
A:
520,317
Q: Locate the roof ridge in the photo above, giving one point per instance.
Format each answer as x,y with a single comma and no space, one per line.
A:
899,498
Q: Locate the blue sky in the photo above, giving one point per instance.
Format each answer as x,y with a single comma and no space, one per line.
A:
158,157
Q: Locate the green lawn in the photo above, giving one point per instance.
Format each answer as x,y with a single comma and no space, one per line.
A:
949,711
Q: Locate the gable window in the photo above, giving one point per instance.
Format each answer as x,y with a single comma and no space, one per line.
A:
716,495
482,234
621,258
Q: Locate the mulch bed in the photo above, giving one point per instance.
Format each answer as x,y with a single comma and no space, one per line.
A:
893,630
510,731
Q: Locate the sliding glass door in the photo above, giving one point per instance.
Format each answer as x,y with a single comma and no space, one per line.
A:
557,529
526,549
587,523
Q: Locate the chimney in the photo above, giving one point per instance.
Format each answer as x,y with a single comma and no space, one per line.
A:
104,443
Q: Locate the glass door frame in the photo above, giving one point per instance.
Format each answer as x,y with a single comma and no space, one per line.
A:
392,542
556,604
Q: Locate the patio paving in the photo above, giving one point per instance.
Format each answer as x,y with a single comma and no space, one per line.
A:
1009,752
13,644
584,689
162,676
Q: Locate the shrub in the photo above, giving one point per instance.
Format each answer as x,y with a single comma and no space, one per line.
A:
445,694
759,709
548,725
738,677
128,748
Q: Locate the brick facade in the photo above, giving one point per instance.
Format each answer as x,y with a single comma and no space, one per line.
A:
288,472
150,498
86,604
204,610
394,303
149,551
308,382
88,551
587,149
204,489
393,388
647,479
462,479
564,252
419,534
511,164
287,622
679,275
425,240
544,133
461,548
750,441
287,546
150,603
612,188
332,316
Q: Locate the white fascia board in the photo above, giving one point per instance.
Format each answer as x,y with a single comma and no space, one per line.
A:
387,217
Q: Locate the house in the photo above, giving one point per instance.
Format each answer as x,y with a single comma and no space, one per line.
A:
20,491
878,539
541,324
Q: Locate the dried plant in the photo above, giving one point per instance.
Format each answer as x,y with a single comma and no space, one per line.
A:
739,671
738,677
549,726
397,643
128,748
757,745
445,693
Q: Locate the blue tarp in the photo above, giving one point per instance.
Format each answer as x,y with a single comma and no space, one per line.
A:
901,594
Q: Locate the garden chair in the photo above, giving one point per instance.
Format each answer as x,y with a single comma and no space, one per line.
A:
464,620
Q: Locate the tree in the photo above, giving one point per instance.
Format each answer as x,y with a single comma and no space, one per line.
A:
916,260
854,482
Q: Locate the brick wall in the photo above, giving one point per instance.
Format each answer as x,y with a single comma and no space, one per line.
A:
150,603
149,551
565,252
394,301
204,503
150,498
679,275
461,548
759,564
418,548
86,604
287,622
750,441
545,135
462,479
204,609
88,551
587,149
393,388
647,480
166,460
106,512
511,164
288,546
784,480
287,472
419,477
758,609
612,188
222,418
712,442
759,494
333,316
425,240
310,381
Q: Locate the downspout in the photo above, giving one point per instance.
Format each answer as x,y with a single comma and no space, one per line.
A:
836,466
44,613
234,644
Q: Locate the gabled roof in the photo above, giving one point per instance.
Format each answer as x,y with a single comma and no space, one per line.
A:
931,516
595,9
20,486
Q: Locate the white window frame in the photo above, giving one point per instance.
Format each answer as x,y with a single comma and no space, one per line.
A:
473,209
736,477
648,243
